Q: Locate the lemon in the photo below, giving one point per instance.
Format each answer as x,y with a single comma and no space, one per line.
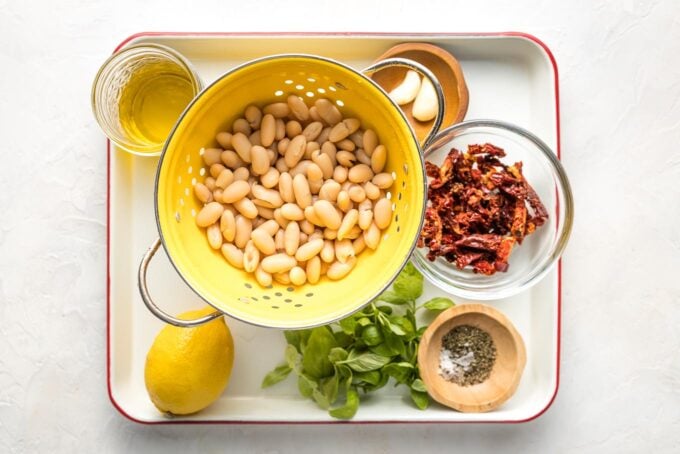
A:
187,369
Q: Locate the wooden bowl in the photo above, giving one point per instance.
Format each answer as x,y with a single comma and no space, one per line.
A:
447,70
507,369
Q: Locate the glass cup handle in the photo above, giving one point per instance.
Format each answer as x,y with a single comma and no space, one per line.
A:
155,310
421,69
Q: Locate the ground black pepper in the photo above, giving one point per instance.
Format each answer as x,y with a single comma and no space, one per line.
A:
467,356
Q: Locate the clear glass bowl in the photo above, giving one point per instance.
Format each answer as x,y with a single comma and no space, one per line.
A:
531,260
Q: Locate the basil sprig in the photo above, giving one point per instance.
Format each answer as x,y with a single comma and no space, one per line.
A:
337,363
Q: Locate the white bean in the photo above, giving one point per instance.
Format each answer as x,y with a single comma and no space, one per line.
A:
251,257
382,213
224,139
303,195
278,263
292,238
349,221
297,276
260,160
263,278
343,250
313,270
263,241
295,150
378,158
246,207
338,270
209,214
228,225
244,228
211,155
292,212
242,146
235,191
298,108
372,236
233,255
214,236
203,193
268,130
309,250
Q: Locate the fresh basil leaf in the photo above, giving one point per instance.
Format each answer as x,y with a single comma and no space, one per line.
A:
366,361
410,353
364,321
337,354
348,325
385,309
403,325
393,342
392,297
384,378
343,340
278,374
396,329
421,399
409,283
320,399
438,303
315,361
383,350
349,409
329,388
418,385
371,377
292,358
401,372
306,385
298,338
371,335
345,373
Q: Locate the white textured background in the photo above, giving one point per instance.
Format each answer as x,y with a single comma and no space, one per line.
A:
619,67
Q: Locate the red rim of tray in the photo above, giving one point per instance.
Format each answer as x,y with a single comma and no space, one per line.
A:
120,409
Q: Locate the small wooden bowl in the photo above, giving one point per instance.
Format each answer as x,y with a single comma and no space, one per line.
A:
447,70
507,369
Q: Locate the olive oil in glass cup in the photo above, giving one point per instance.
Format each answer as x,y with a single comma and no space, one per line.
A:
139,93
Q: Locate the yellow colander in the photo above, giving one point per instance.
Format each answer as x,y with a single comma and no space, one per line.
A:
234,292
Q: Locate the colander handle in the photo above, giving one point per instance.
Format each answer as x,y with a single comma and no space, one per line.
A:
155,310
410,64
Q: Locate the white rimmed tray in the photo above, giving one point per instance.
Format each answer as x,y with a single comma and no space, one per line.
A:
510,76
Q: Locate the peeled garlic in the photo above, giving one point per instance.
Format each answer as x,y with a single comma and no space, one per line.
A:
425,105
407,90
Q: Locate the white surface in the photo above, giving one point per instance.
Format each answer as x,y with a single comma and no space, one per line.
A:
620,92
518,61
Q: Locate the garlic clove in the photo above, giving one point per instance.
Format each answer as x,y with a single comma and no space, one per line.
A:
425,105
407,90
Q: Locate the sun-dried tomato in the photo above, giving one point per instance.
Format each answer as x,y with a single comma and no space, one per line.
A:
479,208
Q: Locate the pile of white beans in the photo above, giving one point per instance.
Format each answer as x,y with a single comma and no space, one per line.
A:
295,192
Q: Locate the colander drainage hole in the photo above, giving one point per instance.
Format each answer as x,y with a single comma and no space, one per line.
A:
288,300
309,294
275,307
248,285
278,294
298,305
290,289
266,297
